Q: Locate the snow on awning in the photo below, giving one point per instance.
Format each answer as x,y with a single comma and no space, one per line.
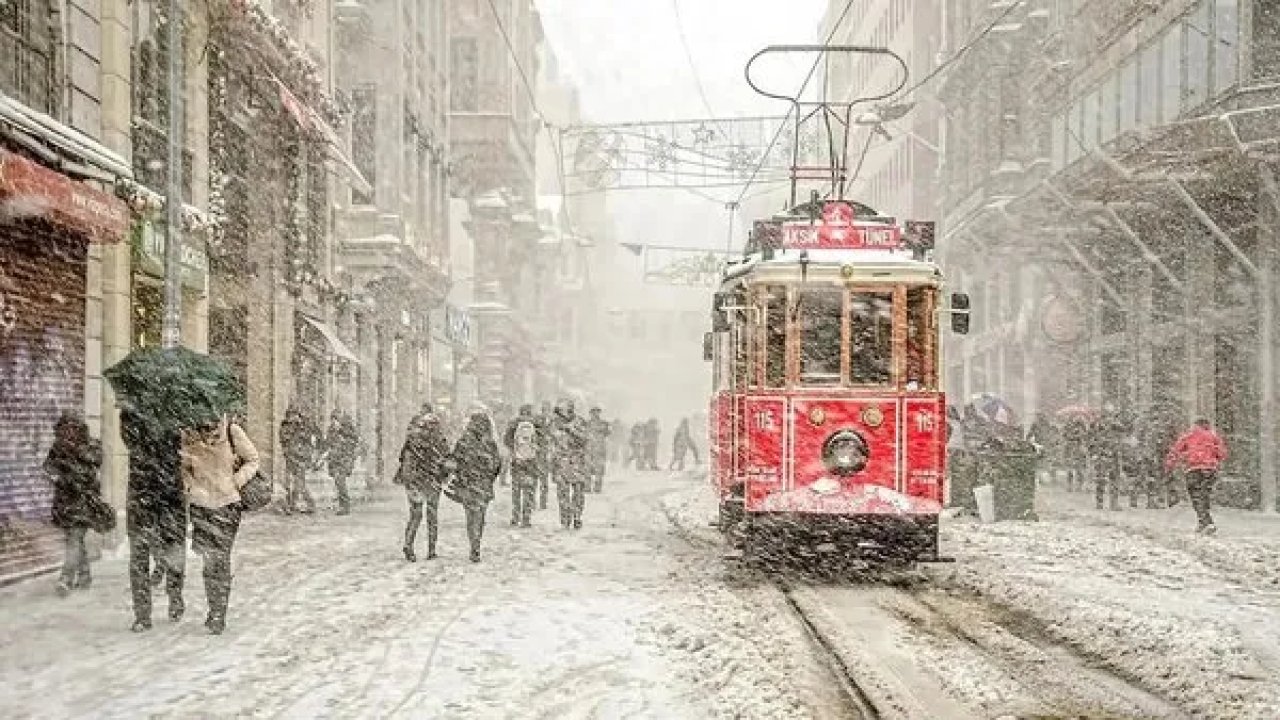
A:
311,122
336,346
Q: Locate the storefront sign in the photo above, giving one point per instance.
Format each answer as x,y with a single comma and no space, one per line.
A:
29,188
151,244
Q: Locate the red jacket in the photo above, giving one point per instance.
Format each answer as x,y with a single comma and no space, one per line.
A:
1200,448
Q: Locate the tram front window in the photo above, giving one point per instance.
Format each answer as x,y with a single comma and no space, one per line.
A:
871,330
818,319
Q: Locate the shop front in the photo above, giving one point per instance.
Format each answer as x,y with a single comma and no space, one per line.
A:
47,224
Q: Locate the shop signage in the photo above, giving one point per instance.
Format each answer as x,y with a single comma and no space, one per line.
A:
151,244
30,188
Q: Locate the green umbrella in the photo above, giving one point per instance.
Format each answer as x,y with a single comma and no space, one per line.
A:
177,386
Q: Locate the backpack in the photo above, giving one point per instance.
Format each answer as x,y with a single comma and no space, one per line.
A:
524,445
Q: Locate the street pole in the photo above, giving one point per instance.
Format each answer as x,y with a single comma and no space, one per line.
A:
173,198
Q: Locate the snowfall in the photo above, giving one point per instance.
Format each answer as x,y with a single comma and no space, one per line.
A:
641,615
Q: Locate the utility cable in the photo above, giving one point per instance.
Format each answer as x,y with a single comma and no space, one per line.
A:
693,68
963,49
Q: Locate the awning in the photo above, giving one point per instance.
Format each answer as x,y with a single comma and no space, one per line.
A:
28,188
310,121
336,346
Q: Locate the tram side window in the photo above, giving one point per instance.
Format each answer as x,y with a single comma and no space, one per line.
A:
921,339
775,337
819,314
871,328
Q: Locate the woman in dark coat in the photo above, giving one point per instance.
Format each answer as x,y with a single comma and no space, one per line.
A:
422,472
478,464
73,464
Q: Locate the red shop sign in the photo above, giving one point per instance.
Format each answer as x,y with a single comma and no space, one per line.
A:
29,188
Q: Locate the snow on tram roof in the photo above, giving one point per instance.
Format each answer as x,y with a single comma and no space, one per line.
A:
824,262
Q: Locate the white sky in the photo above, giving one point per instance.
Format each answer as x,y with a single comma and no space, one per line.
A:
627,57
628,62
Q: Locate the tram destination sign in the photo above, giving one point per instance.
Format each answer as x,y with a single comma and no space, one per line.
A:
824,236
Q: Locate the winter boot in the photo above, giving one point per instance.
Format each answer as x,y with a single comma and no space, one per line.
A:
216,622
176,609
141,625
62,589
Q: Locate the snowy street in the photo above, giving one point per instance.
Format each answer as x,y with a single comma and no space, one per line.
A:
622,619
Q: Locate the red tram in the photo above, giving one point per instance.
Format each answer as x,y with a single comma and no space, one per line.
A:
828,418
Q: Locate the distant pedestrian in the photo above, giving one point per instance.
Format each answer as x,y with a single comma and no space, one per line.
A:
681,445
598,430
1201,451
652,437
569,460
217,460
299,441
522,443
1075,454
1105,452
477,463
155,512
617,442
544,454
73,463
423,469
343,445
637,446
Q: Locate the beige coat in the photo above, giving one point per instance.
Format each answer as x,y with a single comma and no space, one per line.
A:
209,475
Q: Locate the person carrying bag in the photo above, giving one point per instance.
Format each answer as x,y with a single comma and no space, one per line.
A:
218,462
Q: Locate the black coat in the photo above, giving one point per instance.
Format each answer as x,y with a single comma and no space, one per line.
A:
423,458
154,501
478,464
73,469
343,444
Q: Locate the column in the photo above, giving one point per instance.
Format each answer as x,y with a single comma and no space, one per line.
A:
1268,258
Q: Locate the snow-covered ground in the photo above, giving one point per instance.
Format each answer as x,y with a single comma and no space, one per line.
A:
1194,620
623,619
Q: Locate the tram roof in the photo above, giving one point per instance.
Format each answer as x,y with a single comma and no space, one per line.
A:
826,264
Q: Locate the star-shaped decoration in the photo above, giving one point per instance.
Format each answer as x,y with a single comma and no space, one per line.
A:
703,135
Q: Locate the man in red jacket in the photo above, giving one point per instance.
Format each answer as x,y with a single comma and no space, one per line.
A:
1202,451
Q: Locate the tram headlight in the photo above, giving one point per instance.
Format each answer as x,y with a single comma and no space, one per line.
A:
845,453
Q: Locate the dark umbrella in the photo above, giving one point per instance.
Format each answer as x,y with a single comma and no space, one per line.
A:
177,386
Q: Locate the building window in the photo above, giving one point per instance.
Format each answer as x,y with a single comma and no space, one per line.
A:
1226,28
1171,77
1107,107
27,46
1058,146
1196,40
1149,87
464,95
1129,95
364,138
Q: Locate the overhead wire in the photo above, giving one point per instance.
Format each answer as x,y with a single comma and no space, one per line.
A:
693,68
964,49
782,126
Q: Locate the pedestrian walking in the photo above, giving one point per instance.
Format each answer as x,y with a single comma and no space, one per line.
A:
423,469
598,431
1075,455
1105,451
569,458
217,460
522,443
681,445
651,438
343,445
478,464
544,454
73,463
155,513
1201,451
636,444
299,440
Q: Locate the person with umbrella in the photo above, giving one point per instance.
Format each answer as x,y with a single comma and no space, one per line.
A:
161,391
478,464
217,461
73,463
423,469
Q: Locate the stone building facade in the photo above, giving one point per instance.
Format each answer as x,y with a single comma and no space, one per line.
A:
1117,161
